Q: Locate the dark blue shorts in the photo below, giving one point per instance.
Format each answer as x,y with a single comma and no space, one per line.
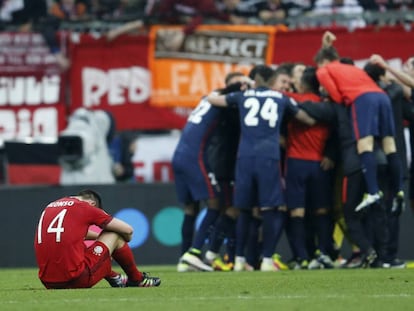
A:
258,183
371,114
307,184
193,181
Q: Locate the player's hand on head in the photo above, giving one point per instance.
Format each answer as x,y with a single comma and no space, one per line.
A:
377,60
246,83
328,39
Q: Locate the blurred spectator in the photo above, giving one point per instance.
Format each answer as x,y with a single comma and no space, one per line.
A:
8,7
239,11
298,7
188,12
386,5
346,13
70,10
122,149
22,13
32,16
117,8
273,11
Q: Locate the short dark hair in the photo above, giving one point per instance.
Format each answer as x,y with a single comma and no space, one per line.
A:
375,71
347,60
310,80
262,74
254,71
286,66
282,70
327,53
89,194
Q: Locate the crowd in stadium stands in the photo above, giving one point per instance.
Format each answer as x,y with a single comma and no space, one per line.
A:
47,16
20,12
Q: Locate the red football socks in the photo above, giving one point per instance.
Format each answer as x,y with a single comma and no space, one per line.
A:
125,258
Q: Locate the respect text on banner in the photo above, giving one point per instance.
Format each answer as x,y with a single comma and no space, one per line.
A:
181,77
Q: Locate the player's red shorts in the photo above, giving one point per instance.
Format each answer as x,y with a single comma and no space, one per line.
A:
97,266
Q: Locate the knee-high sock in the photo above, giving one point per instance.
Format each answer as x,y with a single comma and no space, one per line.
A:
324,227
242,231
273,223
369,165
298,236
203,231
253,245
125,258
224,228
187,232
394,165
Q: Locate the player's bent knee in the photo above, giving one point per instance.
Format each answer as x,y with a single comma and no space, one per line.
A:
112,240
365,144
297,212
388,145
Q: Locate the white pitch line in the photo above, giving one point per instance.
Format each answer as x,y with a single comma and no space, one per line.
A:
218,298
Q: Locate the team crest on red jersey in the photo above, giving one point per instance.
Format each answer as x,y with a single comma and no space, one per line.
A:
98,250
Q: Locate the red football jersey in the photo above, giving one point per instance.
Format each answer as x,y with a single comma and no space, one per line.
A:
306,142
345,82
59,239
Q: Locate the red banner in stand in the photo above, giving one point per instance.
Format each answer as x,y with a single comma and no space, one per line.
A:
114,76
31,88
302,45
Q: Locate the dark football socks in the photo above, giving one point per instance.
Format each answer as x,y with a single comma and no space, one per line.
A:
187,232
242,231
324,229
298,238
203,230
394,164
224,228
369,165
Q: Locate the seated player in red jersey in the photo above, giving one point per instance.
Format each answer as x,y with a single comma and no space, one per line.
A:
63,259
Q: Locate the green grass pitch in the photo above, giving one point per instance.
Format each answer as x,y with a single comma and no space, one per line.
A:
369,289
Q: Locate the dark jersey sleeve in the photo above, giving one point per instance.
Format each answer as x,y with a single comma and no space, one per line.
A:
322,112
292,107
222,149
233,99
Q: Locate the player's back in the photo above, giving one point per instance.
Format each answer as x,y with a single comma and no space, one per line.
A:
350,80
261,111
198,130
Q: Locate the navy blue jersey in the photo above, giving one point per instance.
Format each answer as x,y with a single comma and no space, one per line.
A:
198,130
261,111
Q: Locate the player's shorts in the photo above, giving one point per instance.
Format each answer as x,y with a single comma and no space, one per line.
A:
97,266
258,183
307,184
371,115
193,181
